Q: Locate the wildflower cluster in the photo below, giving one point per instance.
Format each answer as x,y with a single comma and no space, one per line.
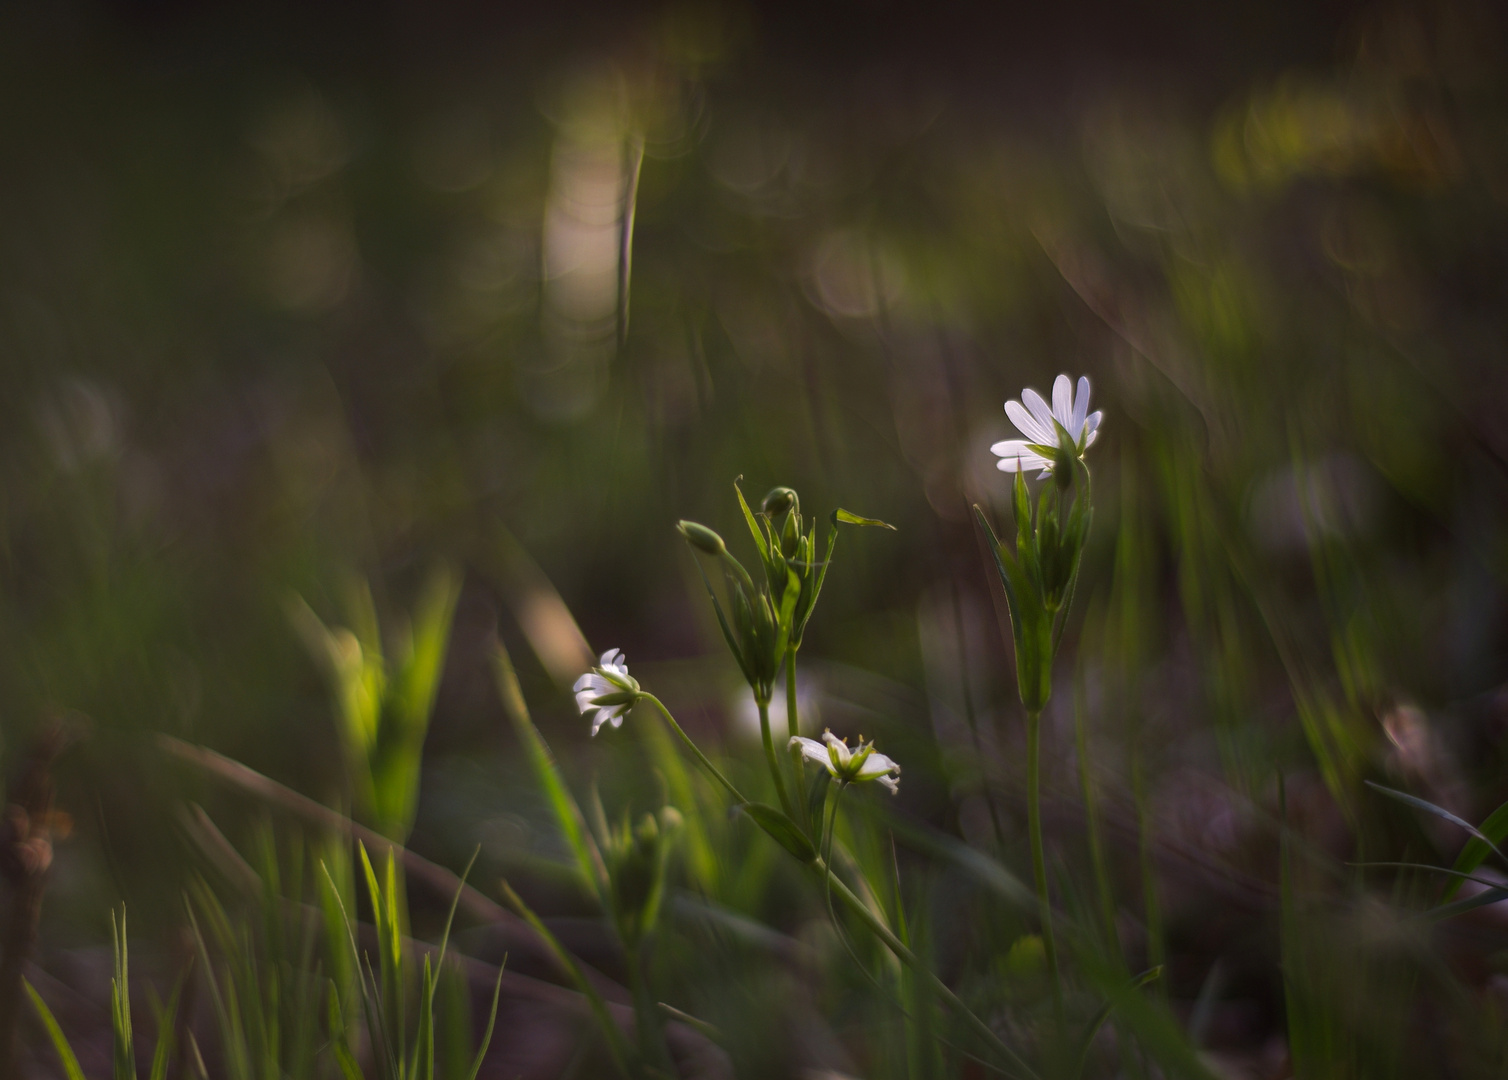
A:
763,621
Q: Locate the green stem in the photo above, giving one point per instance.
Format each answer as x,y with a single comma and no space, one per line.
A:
1039,860
792,726
696,751
770,756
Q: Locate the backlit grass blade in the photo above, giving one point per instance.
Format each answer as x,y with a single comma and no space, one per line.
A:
567,813
1439,811
65,1052
616,1044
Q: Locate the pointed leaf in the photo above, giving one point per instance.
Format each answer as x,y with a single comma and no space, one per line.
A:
65,1052
481,1052
848,518
1438,811
759,538
1475,851
567,813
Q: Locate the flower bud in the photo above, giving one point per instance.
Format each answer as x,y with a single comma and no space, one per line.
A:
701,538
778,501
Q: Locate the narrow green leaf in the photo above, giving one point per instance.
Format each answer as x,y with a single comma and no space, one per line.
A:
481,1053
759,539
162,1053
335,1020
65,1052
848,518
567,813
722,623
616,1044
782,830
1460,907
1438,811
1475,851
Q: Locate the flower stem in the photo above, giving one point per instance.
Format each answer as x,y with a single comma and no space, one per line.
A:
793,727
1039,861
769,754
696,751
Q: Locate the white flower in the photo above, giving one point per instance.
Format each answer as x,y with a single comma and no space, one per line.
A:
607,692
847,766
1040,426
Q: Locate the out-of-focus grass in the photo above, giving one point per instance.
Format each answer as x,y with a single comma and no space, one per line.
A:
284,304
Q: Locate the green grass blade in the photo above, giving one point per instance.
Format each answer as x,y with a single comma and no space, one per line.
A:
162,1053
65,1053
1439,811
567,814
1475,851
481,1053
616,1044
120,1002
339,1046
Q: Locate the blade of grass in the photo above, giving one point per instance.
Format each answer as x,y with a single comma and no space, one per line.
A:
567,814
616,1043
66,1056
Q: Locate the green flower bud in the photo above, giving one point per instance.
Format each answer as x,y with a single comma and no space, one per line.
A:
701,538
779,500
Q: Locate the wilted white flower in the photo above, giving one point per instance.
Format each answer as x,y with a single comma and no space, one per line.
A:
608,691
850,766
1039,450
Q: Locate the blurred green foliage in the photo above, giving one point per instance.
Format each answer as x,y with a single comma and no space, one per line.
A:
291,299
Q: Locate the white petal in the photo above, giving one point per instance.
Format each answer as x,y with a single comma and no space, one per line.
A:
1062,400
583,682
812,750
584,701
1027,424
1034,402
1080,407
877,765
1014,448
598,717
891,782
1024,463
613,657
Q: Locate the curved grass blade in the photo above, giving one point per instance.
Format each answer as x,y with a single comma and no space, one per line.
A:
65,1052
481,1054
1439,811
616,1044
567,813
1475,851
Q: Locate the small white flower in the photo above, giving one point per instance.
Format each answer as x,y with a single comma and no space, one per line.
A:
1040,426
607,692
859,765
